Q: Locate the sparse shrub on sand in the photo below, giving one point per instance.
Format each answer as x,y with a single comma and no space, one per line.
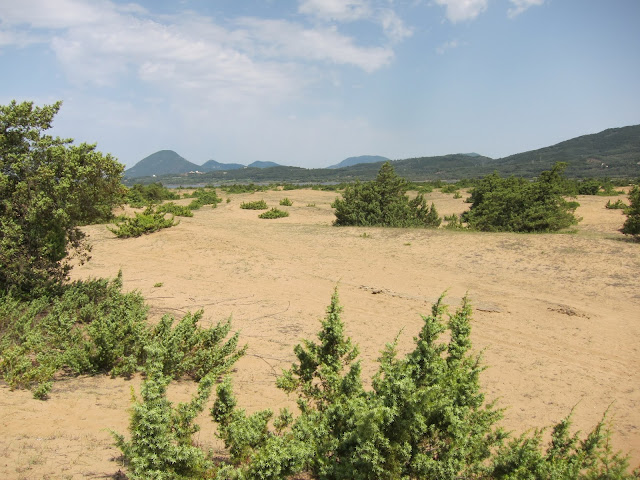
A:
257,205
424,417
174,209
274,213
142,223
286,202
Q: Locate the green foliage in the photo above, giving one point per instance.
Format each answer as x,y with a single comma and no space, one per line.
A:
517,205
454,222
174,209
257,205
286,202
618,204
48,187
142,195
274,213
425,417
142,223
240,188
383,202
632,224
92,327
449,188
161,445
204,196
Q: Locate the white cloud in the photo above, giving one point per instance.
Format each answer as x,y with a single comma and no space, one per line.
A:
339,10
393,26
442,49
282,39
520,6
463,10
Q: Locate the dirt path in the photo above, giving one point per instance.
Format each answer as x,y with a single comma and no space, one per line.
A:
555,315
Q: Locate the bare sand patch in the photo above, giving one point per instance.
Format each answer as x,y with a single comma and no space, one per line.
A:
556,316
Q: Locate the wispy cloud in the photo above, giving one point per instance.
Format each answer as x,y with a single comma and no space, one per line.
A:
463,10
101,44
520,6
442,49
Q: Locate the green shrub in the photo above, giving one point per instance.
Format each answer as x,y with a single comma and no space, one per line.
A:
174,209
93,327
449,188
143,195
286,202
142,223
632,224
618,204
423,417
257,205
238,188
517,205
48,188
383,202
454,222
204,196
273,213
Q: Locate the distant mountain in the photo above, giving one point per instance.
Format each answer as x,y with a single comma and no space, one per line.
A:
164,162
212,165
612,152
263,165
349,162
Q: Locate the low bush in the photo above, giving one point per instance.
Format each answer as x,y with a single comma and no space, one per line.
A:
238,188
204,196
286,202
93,327
423,416
257,205
274,213
175,209
618,204
142,223
142,195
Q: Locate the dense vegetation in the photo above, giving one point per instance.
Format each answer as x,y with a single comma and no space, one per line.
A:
383,202
517,205
255,205
48,187
423,418
144,195
93,327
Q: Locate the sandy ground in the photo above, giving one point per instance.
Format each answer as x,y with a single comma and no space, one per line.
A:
556,316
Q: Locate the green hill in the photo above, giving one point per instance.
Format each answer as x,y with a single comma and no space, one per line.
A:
348,162
164,162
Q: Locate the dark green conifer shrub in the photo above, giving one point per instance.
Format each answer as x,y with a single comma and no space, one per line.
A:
257,205
632,224
618,204
383,202
142,223
274,213
204,196
517,205
175,209
286,202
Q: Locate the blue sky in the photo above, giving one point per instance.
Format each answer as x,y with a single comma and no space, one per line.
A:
311,82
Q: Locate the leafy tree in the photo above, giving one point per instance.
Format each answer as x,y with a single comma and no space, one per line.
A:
517,205
383,202
48,187
632,224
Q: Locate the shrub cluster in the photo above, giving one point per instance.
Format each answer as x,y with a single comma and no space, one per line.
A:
274,213
286,202
423,417
143,195
202,197
383,202
93,327
256,205
174,209
240,188
142,223
517,205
